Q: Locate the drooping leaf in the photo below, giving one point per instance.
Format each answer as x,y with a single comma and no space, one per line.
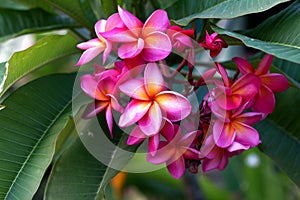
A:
18,22
36,4
3,74
79,175
184,11
278,35
280,134
34,116
45,51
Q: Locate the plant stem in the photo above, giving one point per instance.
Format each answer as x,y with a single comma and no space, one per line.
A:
192,187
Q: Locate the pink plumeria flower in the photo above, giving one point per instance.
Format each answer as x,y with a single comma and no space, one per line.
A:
94,47
230,96
214,44
235,126
180,39
264,101
145,40
151,102
215,157
175,150
103,91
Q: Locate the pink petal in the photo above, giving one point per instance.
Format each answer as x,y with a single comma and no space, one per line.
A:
223,133
229,102
168,130
237,147
224,74
249,118
109,119
245,134
157,46
119,35
91,44
114,21
264,65
136,136
107,51
135,88
130,50
243,65
107,85
153,144
192,154
247,86
94,108
276,82
115,104
164,154
187,139
100,27
158,21
151,122
131,21
89,85
89,55
134,111
176,106
177,168
154,82
183,39
209,164
264,100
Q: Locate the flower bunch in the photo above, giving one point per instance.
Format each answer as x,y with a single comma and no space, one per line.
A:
177,134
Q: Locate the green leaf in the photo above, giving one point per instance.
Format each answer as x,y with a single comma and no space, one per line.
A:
3,74
280,134
45,51
278,35
37,4
18,22
34,116
184,11
12,5
72,8
79,175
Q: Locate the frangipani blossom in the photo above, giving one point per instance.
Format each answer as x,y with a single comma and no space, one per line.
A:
264,101
151,102
103,91
175,150
180,38
145,40
230,96
98,45
214,157
214,44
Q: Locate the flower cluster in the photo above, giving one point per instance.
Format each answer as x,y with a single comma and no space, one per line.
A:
163,117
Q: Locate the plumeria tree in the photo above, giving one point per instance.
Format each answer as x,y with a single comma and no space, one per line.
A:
119,87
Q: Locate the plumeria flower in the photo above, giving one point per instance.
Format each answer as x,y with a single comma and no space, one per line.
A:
98,45
214,44
230,96
235,126
180,39
214,157
264,101
175,150
145,40
151,102
103,91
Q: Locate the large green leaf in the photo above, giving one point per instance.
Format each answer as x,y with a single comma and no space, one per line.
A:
3,74
17,22
278,35
79,175
45,51
280,134
35,4
34,116
185,11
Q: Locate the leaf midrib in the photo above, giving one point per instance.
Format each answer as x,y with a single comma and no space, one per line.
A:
37,144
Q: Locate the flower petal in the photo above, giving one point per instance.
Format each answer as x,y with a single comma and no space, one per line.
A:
153,144
243,65
94,108
89,85
100,27
245,134
107,85
89,55
119,35
264,65
223,133
264,101
237,147
135,88
229,102
131,21
91,44
192,154
247,86
163,154
249,118
107,51
158,21
151,122
109,119
115,104
130,50
114,21
168,130
136,136
175,105
276,82
177,168
134,111
223,73
157,46
154,82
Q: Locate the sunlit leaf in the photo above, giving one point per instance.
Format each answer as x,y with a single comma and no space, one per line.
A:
184,11
34,116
